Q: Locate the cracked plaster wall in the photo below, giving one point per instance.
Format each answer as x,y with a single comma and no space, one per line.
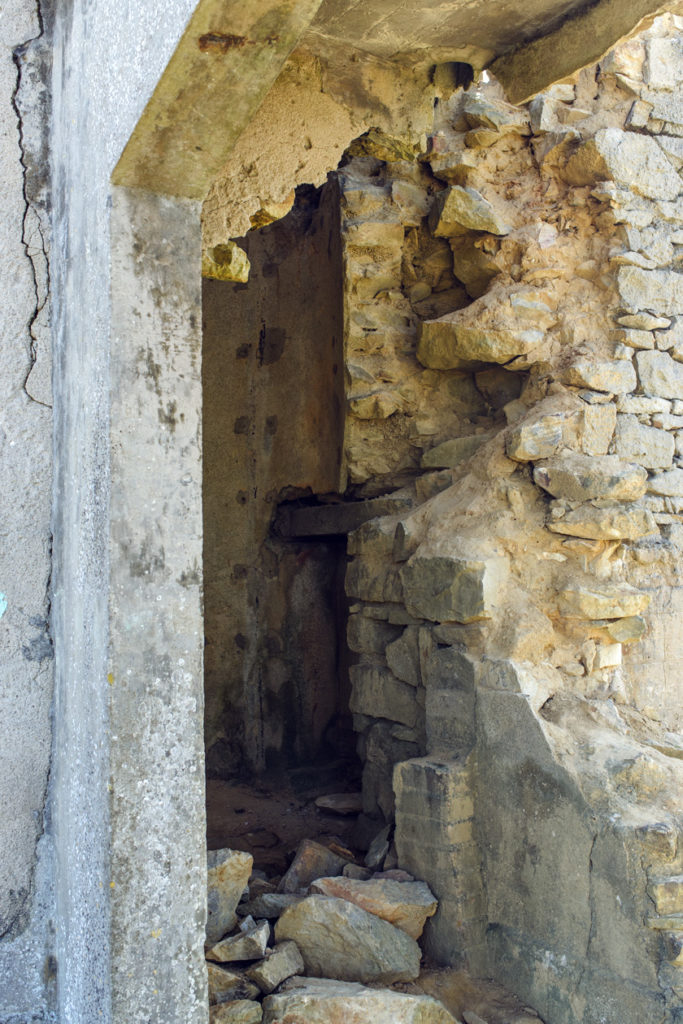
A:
26,655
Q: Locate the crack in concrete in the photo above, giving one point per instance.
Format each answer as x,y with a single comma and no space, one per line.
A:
32,212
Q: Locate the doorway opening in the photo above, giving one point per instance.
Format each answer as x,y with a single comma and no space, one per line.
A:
277,722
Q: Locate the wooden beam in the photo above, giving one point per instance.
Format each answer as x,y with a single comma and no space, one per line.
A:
335,520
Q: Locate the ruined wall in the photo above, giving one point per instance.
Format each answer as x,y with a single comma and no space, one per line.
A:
26,944
273,403
516,627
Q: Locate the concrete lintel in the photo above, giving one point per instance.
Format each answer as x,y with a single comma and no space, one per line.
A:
227,60
578,42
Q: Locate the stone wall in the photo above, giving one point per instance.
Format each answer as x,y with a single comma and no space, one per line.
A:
513,364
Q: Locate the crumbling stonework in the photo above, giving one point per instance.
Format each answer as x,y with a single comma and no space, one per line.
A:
512,316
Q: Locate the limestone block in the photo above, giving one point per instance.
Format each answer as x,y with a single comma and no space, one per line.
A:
312,860
227,877
452,589
325,1002
340,940
448,343
649,446
637,339
378,693
248,944
225,985
673,147
659,374
451,453
644,322
460,207
668,484
633,161
374,234
407,905
535,439
576,477
281,963
617,377
606,602
434,822
369,636
449,722
641,406
238,1011
656,290
596,429
372,581
617,523
475,268
403,656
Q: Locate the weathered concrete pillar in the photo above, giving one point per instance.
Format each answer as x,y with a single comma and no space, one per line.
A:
156,685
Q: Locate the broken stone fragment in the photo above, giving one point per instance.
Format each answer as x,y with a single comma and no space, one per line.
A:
631,160
341,803
407,905
461,208
643,321
281,963
577,477
450,588
226,262
616,377
356,871
248,944
451,453
339,940
376,405
225,984
618,523
660,375
608,602
320,1001
239,1011
651,447
537,439
385,147
311,861
227,876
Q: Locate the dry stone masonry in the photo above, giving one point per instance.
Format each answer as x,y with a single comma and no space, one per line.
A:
514,362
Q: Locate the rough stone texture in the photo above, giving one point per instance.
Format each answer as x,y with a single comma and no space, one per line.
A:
659,374
249,943
617,523
281,963
228,874
311,861
404,904
649,446
339,940
325,1002
577,478
226,985
633,161
238,1011
26,636
444,588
